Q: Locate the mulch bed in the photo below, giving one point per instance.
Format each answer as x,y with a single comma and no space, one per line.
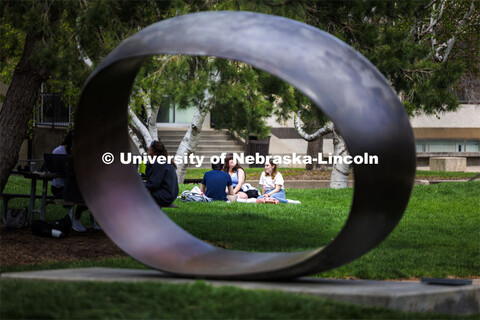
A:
326,174
302,175
20,247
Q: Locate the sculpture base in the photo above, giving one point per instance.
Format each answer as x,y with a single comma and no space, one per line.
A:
409,296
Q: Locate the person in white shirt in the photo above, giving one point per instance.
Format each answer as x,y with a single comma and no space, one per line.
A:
272,183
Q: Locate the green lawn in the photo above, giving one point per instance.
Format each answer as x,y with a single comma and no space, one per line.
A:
91,300
424,174
439,236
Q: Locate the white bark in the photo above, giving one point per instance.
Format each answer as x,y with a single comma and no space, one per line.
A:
462,22
136,141
190,140
140,127
192,136
151,122
448,45
340,172
83,55
433,20
328,128
148,130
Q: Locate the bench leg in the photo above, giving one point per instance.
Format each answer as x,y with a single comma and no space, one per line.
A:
31,209
4,210
43,205
71,212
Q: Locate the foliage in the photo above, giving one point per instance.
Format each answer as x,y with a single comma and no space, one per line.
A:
11,46
214,84
386,32
97,27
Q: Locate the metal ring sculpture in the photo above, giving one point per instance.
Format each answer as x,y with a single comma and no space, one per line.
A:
346,87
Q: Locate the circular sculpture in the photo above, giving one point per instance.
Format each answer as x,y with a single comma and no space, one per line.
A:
344,85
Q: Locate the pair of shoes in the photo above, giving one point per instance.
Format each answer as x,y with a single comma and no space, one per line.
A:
294,202
77,226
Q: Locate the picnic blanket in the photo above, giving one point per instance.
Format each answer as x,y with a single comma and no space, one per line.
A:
196,195
253,200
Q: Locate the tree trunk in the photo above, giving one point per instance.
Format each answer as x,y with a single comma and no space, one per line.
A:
17,108
190,140
340,172
313,149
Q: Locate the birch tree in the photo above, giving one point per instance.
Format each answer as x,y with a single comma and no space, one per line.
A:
340,171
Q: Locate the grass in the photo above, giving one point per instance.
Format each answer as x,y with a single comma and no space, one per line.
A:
91,300
424,174
438,237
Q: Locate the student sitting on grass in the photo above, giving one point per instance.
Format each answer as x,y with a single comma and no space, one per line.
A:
162,181
216,182
237,173
272,183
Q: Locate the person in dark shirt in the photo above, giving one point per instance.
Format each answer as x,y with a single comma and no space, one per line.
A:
216,182
162,181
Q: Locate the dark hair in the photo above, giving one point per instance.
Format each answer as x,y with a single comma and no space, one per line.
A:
159,149
217,166
226,166
274,170
68,141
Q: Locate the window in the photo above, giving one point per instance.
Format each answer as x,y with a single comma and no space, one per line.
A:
52,111
472,146
447,145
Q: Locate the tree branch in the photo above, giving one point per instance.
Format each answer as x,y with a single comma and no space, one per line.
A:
140,127
135,140
311,137
433,23
83,55
151,122
451,41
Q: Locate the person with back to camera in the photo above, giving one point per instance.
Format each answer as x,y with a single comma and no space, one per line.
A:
272,183
162,181
72,193
57,184
216,182
237,173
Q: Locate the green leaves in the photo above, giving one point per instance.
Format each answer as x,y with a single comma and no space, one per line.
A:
381,30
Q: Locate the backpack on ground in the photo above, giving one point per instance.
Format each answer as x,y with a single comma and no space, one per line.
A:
57,229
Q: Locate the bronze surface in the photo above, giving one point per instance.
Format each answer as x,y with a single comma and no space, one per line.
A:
342,83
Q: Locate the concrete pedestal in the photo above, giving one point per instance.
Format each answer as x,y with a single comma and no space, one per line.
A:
448,164
410,296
